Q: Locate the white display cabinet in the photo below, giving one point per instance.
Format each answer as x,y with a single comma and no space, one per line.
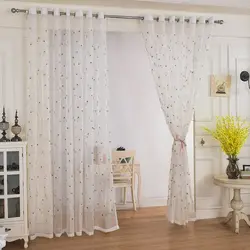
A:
13,190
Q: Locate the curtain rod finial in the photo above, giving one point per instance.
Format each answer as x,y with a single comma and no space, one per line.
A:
219,21
13,10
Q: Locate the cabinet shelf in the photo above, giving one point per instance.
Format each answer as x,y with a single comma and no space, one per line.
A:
10,196
10,173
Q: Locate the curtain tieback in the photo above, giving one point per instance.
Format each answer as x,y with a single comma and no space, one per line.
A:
183,143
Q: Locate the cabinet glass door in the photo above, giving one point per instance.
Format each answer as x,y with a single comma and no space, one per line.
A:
13,161
10,183
13,207
1,161
2,214
1,184
13,184
1,195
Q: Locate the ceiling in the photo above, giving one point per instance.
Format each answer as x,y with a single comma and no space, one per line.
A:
225,3
241,7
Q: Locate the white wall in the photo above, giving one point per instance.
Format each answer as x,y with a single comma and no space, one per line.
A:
228,56
136,117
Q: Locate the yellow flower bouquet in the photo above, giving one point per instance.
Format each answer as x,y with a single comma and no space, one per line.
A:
232,133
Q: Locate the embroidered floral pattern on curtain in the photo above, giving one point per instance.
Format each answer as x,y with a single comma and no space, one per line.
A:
177,51
70,179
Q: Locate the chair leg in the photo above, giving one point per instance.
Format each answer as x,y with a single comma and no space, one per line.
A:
124,196
139,190
133,197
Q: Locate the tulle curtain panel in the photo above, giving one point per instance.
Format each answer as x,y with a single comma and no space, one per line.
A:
70,178
69,146
177,52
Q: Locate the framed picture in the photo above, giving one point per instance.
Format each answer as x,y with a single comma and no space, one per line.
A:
246,167
220,85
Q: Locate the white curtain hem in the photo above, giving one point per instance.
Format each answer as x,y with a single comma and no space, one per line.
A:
68,126
179,223
58,235
34,236
107,230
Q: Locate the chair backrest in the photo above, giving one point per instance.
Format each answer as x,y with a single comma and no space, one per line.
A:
123,164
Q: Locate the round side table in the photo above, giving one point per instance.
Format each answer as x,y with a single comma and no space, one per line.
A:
236,203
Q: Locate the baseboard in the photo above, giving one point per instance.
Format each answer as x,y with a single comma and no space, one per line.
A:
216,212
145,202
153,202
192,216
205,208
208,213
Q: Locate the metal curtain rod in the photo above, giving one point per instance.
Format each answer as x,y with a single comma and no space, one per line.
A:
14,10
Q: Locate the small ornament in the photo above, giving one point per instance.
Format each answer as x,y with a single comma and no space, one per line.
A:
4,126
16,130
120,149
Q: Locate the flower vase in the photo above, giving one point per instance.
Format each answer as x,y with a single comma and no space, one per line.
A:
232,171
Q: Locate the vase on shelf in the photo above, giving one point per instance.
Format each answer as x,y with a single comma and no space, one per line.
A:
4,126
16,129
232,171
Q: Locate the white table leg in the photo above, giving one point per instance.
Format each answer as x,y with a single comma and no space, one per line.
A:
124,195
229,217
236,215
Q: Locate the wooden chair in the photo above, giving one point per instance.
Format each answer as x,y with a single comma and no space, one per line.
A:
123,172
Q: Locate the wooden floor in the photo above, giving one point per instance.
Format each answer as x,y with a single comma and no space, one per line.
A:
148,229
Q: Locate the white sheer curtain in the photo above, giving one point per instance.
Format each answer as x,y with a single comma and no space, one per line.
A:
70,181
177,51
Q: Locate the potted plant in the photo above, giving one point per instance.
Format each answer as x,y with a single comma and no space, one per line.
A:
232,133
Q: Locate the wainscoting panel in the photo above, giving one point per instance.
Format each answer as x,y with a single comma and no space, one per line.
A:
228,56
